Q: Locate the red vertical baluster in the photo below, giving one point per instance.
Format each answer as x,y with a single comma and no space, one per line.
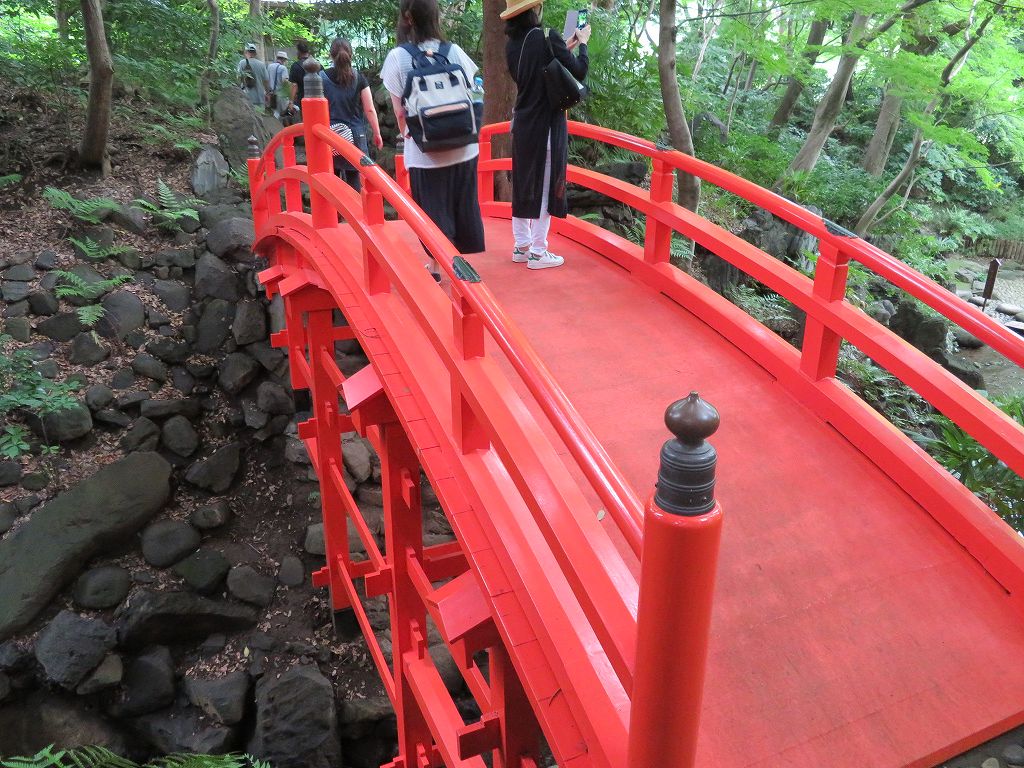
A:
403,525
292,187
485,187
259,202
520,733
318,153
682,530
658,237
328,448
820,349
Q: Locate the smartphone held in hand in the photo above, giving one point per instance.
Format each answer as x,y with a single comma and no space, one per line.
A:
574,19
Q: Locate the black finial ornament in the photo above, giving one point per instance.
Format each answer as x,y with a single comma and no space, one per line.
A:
254,146
686,477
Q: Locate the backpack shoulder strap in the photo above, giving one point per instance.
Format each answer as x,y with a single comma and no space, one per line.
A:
419,58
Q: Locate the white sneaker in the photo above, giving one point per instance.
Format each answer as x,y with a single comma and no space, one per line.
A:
520,255
544,260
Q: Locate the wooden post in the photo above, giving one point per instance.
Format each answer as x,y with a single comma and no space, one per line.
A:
820,350
682,531
658,237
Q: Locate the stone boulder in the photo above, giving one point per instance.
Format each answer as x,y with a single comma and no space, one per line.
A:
224,699
169,617
166,542
43,719
102,587
296,724
216,472
235,119
215,279
46,553
183,730
148,684
123,313
209,171
232,239
63,426
72,646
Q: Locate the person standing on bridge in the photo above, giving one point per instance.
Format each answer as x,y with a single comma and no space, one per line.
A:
444,182
350,102
540,133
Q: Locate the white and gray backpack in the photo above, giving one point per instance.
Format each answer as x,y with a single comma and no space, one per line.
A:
439,108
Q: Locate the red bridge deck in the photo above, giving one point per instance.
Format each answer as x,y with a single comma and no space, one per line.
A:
849,628
868,607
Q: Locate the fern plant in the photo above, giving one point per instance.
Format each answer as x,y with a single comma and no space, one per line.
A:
10,180
26,391
100,757
74,286
91,211
974,466
170,210
95,251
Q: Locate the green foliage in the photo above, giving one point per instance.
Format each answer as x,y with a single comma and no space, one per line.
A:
99,757
881,390
94,251
91,211
14,441
24,390
985,475
73,286
10,180
767,307
171,209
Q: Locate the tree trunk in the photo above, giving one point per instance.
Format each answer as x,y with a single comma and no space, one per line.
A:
61,13
939,103
256,14
709,26
796,86
93,150
877,153
211,54
831,104
500,89
678,129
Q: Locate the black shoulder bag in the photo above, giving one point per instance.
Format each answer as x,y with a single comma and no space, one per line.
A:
564,90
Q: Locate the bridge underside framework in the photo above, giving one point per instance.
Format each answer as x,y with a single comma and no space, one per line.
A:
867,609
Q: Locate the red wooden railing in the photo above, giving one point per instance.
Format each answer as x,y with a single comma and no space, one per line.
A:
810,372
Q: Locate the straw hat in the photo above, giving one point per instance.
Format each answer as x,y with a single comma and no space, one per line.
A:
515,7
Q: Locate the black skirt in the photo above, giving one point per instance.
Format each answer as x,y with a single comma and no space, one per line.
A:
448,196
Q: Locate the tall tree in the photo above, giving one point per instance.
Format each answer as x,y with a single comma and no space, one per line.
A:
858,38
938,104
256,15
796,81
501,90
93,149
211,54
678,128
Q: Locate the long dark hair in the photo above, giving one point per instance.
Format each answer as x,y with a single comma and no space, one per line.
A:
418,20
341,55
522,23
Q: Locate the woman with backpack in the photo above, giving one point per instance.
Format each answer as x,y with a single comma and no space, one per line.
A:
443,181
540,133
350,105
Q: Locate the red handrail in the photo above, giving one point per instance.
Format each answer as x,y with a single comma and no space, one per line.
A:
614,491
883,264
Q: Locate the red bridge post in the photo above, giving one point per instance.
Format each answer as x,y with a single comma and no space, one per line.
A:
318,153
682,530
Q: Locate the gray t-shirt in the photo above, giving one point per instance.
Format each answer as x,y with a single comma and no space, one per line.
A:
259,70
397,66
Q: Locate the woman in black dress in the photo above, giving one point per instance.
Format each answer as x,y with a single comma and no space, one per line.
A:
540,134
350,103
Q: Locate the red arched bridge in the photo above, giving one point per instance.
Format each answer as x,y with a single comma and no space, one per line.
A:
865,609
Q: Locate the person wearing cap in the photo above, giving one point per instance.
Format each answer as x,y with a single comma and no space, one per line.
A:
252,76
540,133
280,88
